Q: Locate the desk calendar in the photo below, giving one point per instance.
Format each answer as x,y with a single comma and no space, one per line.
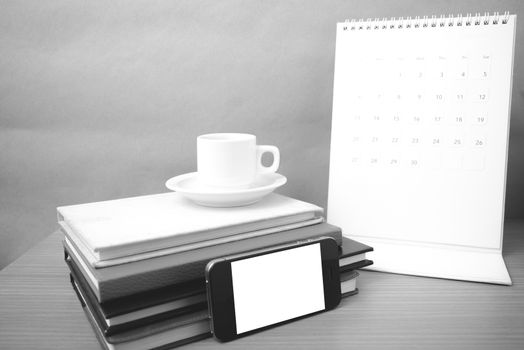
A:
419,142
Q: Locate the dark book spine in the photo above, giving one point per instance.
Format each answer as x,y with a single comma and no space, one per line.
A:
355,266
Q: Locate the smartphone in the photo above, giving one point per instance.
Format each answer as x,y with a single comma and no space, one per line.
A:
260,289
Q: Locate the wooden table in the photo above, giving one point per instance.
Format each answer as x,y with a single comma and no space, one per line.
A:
38,309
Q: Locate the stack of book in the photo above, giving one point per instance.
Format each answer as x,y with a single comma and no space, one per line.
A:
138,264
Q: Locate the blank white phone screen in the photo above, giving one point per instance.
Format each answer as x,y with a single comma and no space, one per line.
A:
276,287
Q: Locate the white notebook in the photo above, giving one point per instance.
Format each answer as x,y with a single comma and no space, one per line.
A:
123,227
420,129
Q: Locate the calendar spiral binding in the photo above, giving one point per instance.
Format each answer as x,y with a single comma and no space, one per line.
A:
427,22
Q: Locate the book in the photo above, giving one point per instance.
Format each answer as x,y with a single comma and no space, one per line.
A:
132,312
171,332
167,302
127,279
353,255
92,260
151,299
348,283
146,224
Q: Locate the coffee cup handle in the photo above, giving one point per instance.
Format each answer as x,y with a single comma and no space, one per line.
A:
276,159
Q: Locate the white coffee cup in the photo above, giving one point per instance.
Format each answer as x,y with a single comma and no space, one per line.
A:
232,160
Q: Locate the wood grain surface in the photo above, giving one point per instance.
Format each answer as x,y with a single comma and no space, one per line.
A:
39,310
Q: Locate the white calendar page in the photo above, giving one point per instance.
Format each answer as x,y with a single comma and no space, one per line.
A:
420,131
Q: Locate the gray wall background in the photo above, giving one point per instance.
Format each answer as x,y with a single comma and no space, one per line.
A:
104,99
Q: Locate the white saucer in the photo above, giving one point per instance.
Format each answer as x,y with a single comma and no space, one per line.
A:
190,187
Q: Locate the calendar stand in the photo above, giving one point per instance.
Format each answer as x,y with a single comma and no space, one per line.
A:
419,142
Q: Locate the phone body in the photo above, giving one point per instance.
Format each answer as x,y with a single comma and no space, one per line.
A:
253,291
